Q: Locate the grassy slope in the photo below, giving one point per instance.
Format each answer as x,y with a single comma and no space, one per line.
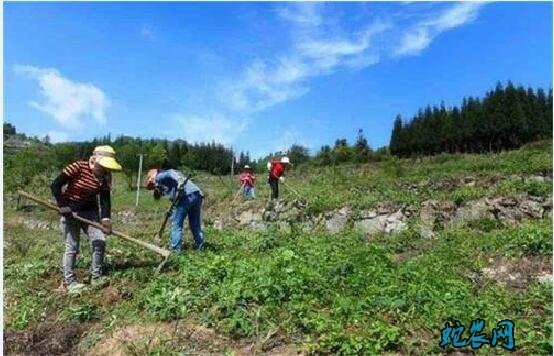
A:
326,293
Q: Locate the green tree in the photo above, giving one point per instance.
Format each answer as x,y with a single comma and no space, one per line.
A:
324,156
9,129
396,144
127,156
298,154
342,152
157,155
362,151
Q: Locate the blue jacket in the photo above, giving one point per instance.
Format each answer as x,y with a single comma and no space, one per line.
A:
168,180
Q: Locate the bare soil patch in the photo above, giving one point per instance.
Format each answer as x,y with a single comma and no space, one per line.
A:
46,339
518,273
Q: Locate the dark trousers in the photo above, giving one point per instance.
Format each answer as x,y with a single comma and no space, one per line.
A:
274,184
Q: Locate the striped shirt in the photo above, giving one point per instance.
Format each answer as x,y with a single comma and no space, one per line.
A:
83,185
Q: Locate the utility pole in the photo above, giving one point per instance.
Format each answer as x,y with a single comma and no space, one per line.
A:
232,163
139,174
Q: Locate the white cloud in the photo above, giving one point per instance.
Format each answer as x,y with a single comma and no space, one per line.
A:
457,15
302,13
69,103
148,33
58,136
315,50
214,127
319,45
414,41
288,138
420,35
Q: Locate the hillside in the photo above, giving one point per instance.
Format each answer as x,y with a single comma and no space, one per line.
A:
355,259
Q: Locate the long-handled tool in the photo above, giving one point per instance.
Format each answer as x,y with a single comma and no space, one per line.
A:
293,190
237,193
151,247
301,199
179,196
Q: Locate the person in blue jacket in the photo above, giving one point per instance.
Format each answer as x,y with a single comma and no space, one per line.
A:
173,184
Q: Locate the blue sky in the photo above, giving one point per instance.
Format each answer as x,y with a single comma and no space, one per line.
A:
259,76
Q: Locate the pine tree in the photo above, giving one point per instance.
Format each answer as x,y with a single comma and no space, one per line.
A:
396,144
361,148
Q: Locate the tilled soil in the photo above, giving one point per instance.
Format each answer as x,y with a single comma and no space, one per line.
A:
45,339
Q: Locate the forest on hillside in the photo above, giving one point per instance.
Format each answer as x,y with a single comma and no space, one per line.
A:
506,118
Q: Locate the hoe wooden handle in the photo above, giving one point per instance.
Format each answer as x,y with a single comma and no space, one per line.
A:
151,247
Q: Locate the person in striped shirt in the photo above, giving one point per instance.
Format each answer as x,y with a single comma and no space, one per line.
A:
76,190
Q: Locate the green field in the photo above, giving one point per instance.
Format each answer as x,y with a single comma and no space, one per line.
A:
279,292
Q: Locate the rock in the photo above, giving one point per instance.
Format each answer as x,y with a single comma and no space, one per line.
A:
279,206
471,211
511,217
547,203
532,208
532,179
427,213
368,214
544,277
372,226
433,214
284,226
258,226
468,181
246,217
386,208
506,211
410,211
426,232
395,222
337,220
269,215
507,202
218,225
292,214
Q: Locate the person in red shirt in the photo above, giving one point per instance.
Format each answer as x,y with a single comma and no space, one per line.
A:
247,182
276,169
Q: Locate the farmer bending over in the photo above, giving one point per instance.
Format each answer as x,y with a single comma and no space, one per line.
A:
84,181
247,181
276,170
173,184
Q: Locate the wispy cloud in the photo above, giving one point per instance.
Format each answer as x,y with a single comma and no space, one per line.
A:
420,35
147,32
214,127
290,137
320,44
316,49
58,136
302,13
70,103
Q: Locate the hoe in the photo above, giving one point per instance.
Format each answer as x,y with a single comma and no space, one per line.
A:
160,251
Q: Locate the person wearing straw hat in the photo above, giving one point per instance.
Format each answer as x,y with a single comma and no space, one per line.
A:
76,190
276,169
247,182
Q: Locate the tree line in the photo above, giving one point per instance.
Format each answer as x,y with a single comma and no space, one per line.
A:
506,118
210,157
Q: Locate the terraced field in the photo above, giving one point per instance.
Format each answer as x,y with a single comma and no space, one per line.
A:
304,288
